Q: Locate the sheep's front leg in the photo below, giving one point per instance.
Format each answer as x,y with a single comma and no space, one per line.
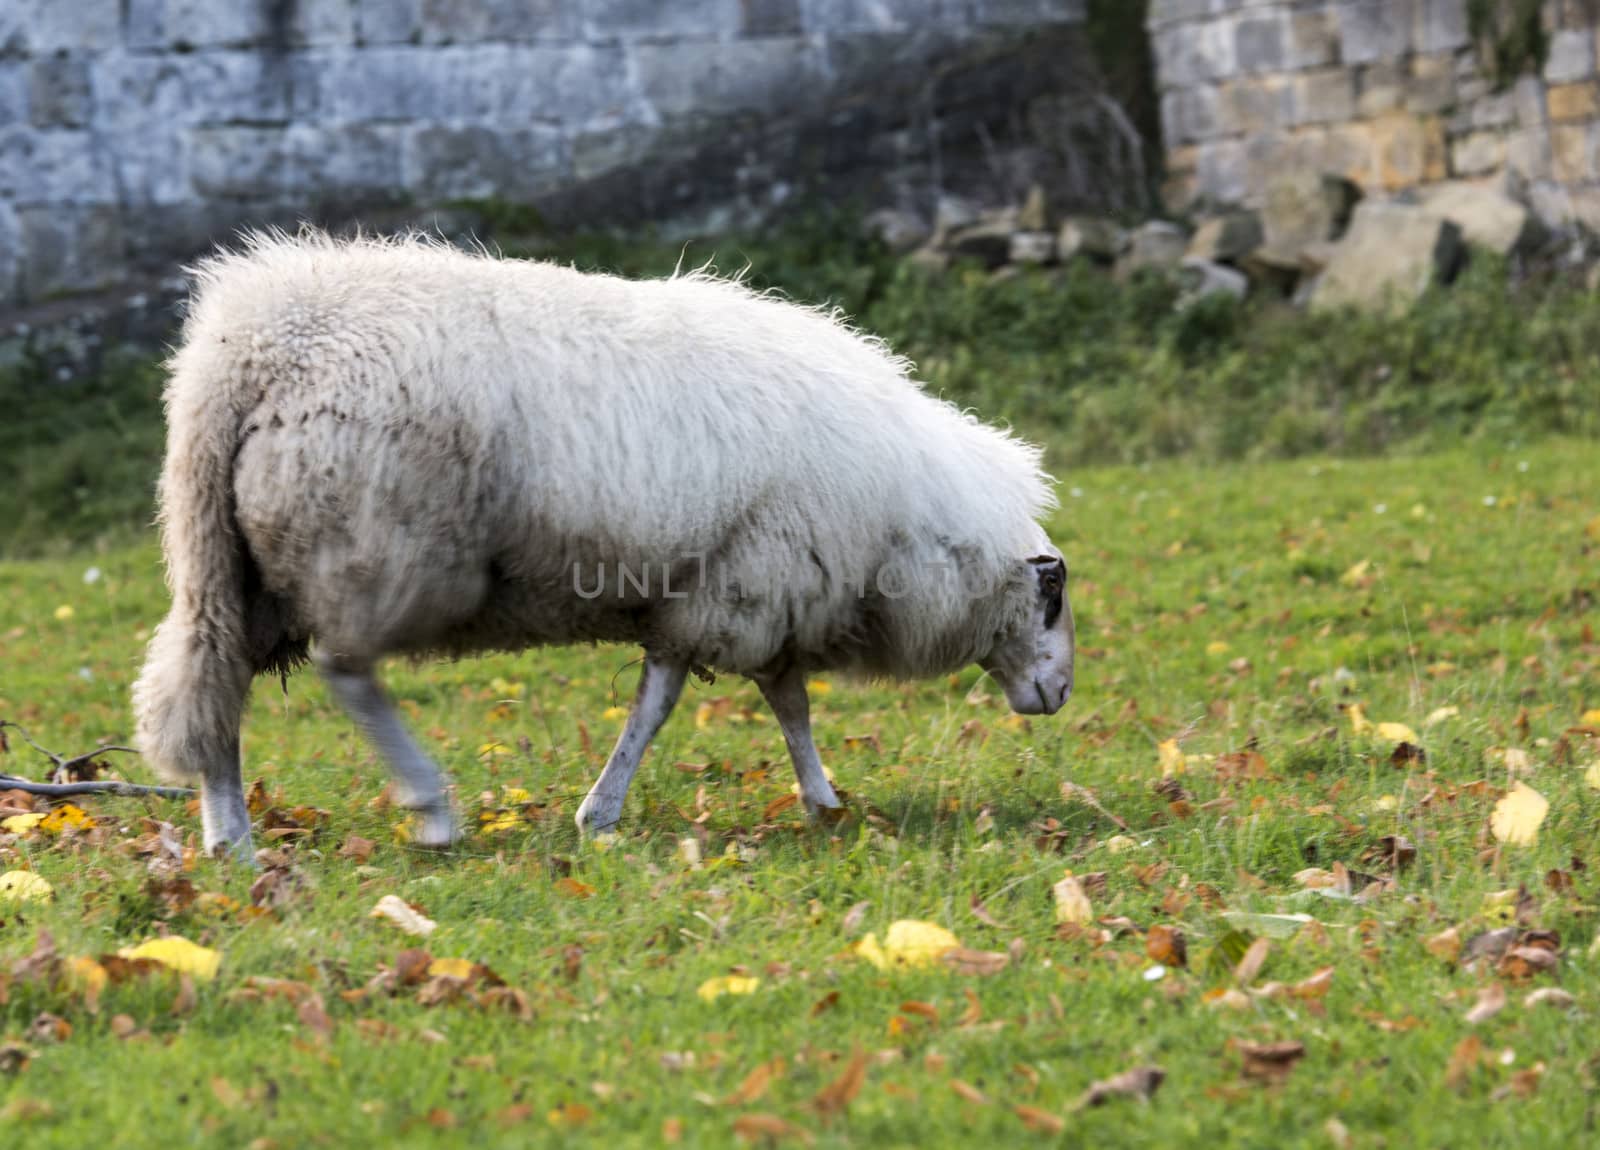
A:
660,684
418,784
224,814
786,695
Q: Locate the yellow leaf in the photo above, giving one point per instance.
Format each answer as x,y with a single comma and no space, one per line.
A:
908,943
1397,733
1591,718
177,953
20,824
494,822
1356,574
1171,758
88,977
64,612
1440,715
1072,904
451,967
510,795
493,750
1116,844
24,886
1592,775
819,686
1358,719
1518,816
714,988
64,816
614,714
506,689
1216,647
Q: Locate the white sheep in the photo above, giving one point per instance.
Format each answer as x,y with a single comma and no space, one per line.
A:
390,446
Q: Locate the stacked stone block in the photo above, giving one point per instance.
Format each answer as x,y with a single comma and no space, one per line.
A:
135,130
1392,94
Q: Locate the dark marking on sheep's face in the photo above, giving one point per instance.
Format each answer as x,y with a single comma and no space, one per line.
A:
1034,652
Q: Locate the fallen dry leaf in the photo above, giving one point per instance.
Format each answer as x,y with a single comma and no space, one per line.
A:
1446,945
24,886
1250,965
1166,945
1518,816
755,1083
1269,1061
1549,996
907,943
968,1092
714,988
1491,1001
982,963
1041,1121
177,953
769,1129
836,1097
1464,1059
1141,1082
1072,903
403,915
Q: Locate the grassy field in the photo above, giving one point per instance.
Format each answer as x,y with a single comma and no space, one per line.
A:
1259,615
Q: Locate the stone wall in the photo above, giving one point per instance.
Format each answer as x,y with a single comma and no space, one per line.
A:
1390,93
132,131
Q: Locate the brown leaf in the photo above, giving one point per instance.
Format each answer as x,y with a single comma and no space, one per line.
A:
314,1016
981,913
1250,965
411,966
186,998
964,960
824,1004
1270,1061
853,918
777,806
769,1130
1166,945
1549,996
921,1010
1316,986
1526,961
1040,1120
1491,1001
1464,1060
968,1092
1408,755
755,1083
357,849
836,1097
974,1011
1446,945
1141,1082
515,1115
572,888
48,1028
14,1058
672,1131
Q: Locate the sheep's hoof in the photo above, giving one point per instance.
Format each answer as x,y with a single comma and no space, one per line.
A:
597,817
241,850
436,828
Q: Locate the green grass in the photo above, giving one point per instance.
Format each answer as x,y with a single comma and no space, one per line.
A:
1111,373
1216,604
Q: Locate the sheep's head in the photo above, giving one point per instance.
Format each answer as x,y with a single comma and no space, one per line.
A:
1032,660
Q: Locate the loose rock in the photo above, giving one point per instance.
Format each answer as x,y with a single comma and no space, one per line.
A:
1390,256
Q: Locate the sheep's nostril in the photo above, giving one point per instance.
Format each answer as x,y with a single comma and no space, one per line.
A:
1066,690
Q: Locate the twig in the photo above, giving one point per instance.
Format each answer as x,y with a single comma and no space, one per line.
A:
1086,796
63,766
107,787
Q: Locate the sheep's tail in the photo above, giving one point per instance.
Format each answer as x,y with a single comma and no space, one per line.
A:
222,627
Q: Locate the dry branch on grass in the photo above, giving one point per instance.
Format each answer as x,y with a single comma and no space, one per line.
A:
62,783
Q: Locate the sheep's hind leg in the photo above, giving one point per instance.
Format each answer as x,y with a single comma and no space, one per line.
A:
786,695
419,785
660,684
